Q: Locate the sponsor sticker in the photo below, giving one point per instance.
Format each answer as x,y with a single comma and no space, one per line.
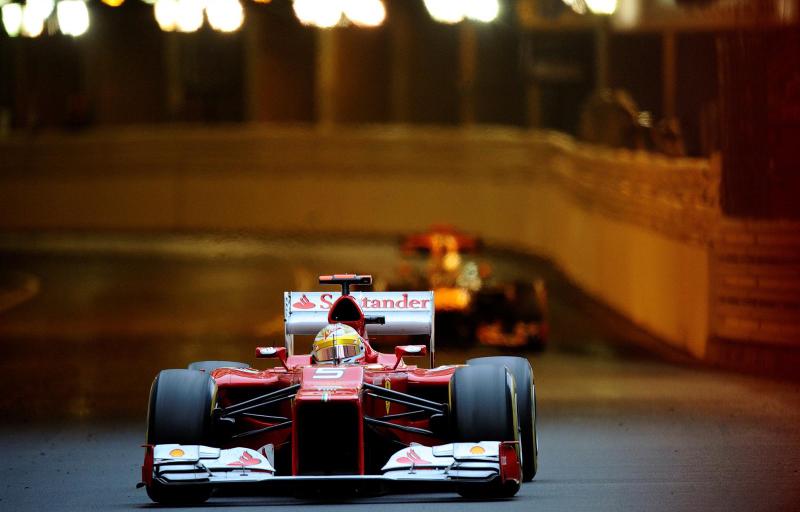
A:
367,301
245,460
412,458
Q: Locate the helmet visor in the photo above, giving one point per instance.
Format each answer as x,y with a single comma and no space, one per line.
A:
337,352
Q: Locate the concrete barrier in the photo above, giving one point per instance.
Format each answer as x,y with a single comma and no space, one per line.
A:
635,230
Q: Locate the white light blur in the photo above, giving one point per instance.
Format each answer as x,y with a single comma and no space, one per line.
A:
318,13
189,17
482,10
32,23
578,6
43,8
628,12
445,11
73,17
166,12
365,13
602,6
12,19
225,15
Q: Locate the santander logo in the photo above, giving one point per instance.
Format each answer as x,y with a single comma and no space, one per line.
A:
304,303
376,301
245,460
412,458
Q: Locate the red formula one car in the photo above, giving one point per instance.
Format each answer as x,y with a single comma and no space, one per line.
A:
472,304
344,418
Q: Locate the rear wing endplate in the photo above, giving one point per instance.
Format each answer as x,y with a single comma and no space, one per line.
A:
406,313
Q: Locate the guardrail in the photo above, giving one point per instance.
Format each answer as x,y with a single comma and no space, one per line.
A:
642,232
678,197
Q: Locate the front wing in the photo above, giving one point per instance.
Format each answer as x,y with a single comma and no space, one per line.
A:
417,468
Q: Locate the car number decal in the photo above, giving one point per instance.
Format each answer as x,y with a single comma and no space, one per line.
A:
328,373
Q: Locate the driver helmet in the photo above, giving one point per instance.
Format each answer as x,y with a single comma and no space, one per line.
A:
337,344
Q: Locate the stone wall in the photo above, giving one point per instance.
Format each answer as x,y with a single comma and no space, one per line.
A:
640,232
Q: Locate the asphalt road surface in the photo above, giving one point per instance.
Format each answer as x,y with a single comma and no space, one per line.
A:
86,322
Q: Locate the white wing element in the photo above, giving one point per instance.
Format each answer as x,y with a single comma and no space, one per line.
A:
463,462
187,463
450,461
405,312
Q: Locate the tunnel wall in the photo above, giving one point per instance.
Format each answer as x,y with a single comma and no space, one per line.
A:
636,231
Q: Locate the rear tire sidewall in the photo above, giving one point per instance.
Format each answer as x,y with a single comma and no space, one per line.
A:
521,369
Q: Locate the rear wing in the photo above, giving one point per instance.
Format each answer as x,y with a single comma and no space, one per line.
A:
406,313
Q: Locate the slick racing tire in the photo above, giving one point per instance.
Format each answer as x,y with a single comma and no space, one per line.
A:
210,366
521,369
483,408
180,412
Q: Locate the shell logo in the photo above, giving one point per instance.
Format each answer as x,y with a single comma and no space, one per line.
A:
176,452
477,450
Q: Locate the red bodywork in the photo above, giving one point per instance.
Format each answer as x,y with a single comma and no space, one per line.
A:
440,238
327,413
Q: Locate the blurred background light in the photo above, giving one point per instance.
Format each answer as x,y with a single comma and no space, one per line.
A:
42,8
485,11
12,19
189,15
578,6
606,7
32,23
166,13
225,15
113,3
318,13
365,13
445,11
73,17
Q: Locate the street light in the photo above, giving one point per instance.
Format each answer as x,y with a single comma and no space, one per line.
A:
73,17
189,15
484,11
12,19
602,7
165,12
32,23
318,13
365,13
445,11
225,15
455,11
42,8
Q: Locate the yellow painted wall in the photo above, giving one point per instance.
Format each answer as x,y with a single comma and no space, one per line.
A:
496,183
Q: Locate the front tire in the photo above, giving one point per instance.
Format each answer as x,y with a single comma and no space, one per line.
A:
483,408
521,369
180,412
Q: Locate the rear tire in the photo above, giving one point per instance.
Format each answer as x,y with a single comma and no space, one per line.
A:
210,366
483,408
180,412
521,369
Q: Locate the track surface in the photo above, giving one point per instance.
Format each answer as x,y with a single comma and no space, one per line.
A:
620,428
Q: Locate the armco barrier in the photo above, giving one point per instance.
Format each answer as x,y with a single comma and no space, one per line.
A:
641,232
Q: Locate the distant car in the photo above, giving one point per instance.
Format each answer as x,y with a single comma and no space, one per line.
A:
470,304
344,417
